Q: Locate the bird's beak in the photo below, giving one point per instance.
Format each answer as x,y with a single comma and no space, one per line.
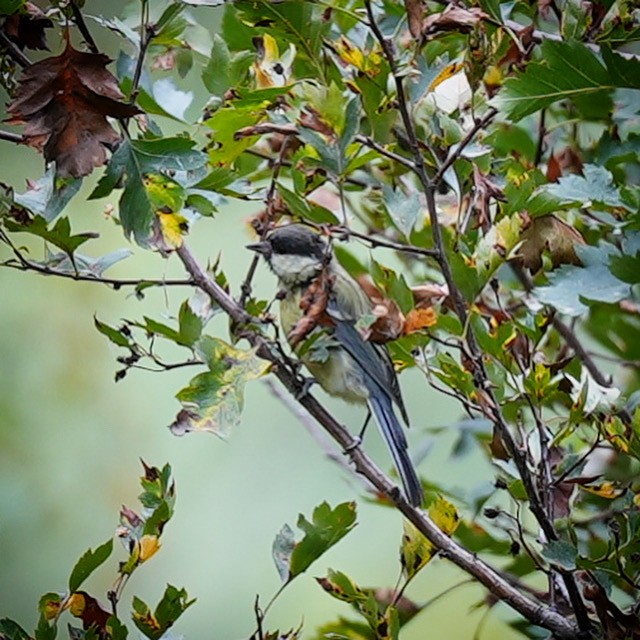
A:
263,247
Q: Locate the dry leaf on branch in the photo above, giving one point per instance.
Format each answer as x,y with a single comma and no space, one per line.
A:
64,102
389,319
453,19
548,233
314,307
26,27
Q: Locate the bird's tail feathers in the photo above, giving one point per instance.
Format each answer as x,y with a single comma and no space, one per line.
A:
382,409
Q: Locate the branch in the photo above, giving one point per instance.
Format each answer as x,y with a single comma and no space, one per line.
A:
375,241
13,50
23,264
82,26
528,607
481,377
9,136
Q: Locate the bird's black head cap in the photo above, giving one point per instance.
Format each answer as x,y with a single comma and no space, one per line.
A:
296,239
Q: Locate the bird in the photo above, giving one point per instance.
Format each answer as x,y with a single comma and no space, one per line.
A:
320,306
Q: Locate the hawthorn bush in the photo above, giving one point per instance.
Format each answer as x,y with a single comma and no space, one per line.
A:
491,148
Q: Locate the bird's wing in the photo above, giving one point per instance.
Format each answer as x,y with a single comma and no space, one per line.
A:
373,359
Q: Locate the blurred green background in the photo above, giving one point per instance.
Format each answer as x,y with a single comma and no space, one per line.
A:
71,440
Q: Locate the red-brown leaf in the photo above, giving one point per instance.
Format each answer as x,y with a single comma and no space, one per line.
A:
64,102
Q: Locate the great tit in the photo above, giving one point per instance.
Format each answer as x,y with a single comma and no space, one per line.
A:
341,360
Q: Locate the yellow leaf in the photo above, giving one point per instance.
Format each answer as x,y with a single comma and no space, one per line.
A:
448,72
51,608
173,227
271,69
415,550
605,490
76,604
419,319
149,546
445,515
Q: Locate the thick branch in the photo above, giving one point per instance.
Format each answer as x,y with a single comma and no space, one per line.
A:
528,607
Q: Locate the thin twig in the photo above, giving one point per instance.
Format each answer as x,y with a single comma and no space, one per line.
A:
13,50
82,26
146,36
245,289
24,264
377,241
528,607
383,151
567,333
542,132
9,136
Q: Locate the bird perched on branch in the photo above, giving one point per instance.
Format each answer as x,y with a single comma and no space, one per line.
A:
319,310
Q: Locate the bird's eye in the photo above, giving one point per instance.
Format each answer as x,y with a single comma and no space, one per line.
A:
278,68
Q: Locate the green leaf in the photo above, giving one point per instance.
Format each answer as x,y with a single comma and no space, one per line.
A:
404,210
213,400
9,7
59,235
12,630
130,165
174,101
327,527
225,123
88,563
570,284
190,325
595,185
49,195
567,70
561,553
118,631
305,210
216,75
154,625
114,335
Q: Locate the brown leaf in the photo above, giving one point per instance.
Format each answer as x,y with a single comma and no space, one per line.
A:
90,611
548,233
419,319
314,306
426,295
484,191
517,54
26,28
453,19
415,12
565,161
311,119
64,101
497,448
389,319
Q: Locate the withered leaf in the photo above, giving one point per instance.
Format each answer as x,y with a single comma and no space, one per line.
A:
415,11
64,102
26,27
389,320
548,233
314,306
453,19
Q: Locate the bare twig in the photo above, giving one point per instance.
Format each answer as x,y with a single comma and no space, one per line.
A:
245,290
529,607
9,136
383,151
21,263
542,132
146,36
82,26
13,50
377,241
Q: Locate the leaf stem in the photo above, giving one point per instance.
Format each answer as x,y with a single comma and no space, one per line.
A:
82,26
